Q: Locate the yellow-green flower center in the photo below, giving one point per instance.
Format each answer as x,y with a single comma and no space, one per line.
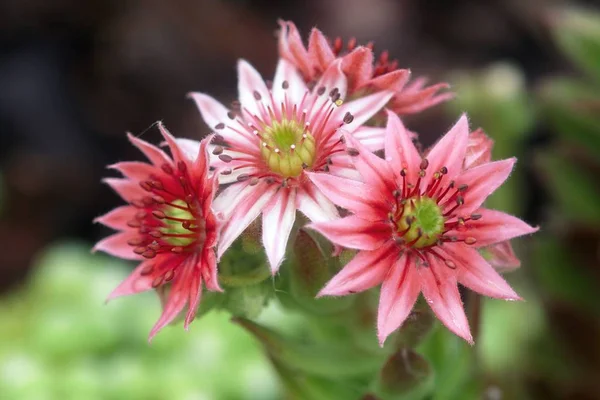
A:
174,231
287,148
421,223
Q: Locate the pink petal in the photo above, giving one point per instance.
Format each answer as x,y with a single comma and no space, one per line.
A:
128,190
136,282
399,292
365,270
292,49
277,221
153,153
483,181
358,66
178,297
118,218
213,112
441,292
476,273
479,149
414,99
209,271
134,170
200,166
116,245
493,227
189,147
319,51
296,89
362,109
394,80
375,171
350,194
400,152
313,203
449,151
502,257
355,233
250,83
176,152
371,137
333,78
194,292
247,206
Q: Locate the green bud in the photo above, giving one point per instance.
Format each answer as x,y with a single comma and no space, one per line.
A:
405,373
247,301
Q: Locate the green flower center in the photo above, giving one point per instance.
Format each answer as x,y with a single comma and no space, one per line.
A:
287,148
174,231
421,223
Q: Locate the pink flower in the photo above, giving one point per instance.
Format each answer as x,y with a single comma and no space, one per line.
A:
479,151
418,223
168,225
365,74
277,135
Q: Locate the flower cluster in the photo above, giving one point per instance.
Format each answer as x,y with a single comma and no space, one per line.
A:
308,142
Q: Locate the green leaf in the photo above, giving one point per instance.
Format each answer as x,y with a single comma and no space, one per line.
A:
576,192
573,109
577,33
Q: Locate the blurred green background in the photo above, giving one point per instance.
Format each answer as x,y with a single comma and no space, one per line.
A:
75,76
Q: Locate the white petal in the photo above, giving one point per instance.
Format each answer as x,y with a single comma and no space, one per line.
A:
277,222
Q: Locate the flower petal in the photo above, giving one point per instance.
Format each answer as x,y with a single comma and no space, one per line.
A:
319,51
441,292
350,194
400,151
502,257
354,232
153,153
449,151
194,292
116,245
479,149
277,221
213,112
134,170
292,49
313,203
136,282
482,181
333,78
371,137
294,90
176,152
358,66
362,109
476,273
365,270
493,227
209,271
118,218
399,292
251,88
375,171
246,207
394,80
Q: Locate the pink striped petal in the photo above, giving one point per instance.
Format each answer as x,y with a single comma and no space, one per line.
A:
355,233
371,137
134,170
399,292
189,147
483,181
313,203
375,171
176,152
246,208
153,153
136,282
117,219
209,271
394,80
333,78
213,112
400,151
250,84
441,292
358,66
365,270
449,151
116,245
277,221
493,227
363,108
292,49
476,273
176,300
194,292
128,190
350,194
502,257
319,51
295,87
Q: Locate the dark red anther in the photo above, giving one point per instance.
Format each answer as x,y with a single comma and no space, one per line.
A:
137,203
189,199
450,264
470,240
149,254
134,223
253,181
135,241
177,250
157,281
424,164
475,217
141,214
147,200
146,186
167,169
321,90
285,84
352,151
220,126
154,246
463,187
159,214
256,95
181,166
444,171
460,200
155,234
156,184
139,249
158,199
243,177
403,172
225,158
186,224
147,270
169,275
217,150
231,114
348,118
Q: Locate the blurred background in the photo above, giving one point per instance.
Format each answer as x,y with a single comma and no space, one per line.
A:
75,76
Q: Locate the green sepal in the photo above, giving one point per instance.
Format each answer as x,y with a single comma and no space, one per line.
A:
406,374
